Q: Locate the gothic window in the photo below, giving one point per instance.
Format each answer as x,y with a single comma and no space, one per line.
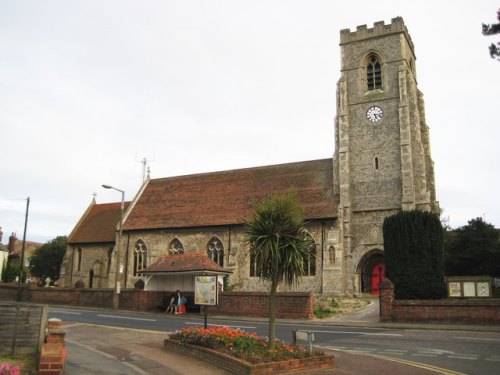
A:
376,163
331,255
79,260
175,247
310,262
110,256
253,264
215,251
373,73
140,256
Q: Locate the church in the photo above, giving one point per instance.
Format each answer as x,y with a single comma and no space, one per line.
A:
381,165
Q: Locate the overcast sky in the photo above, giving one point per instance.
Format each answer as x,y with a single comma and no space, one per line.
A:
90,88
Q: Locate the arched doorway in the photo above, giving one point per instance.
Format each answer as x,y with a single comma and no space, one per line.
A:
371,267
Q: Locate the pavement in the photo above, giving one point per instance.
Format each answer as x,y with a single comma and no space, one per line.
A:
105,350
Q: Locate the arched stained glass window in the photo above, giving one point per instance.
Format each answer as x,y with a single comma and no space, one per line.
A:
215,251
140,256
310,261
175,247
79,260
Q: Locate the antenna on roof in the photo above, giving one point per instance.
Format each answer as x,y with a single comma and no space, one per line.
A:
145,168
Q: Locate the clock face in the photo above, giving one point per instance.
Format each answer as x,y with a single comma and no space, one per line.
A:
374,114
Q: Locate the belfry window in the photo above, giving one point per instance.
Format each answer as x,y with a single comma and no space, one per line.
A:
140,256
215,251
373,73
176,247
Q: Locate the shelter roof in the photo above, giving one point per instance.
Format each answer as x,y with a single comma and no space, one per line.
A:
184,263
225,198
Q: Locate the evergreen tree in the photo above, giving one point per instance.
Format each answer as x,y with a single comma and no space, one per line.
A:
413,247
46,260
492,30
473,250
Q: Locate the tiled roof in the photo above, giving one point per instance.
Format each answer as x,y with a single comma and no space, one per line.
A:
184,263
224,198
98,225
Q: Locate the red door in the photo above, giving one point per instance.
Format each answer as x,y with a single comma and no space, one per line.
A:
378,275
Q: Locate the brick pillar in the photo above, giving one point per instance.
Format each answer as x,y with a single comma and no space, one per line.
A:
386,298
53,353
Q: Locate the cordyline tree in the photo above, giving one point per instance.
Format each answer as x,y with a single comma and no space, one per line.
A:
280,245
492,30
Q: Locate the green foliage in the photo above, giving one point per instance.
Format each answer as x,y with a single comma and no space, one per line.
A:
473,250
279,243
413,246
46,260
11,272
492,30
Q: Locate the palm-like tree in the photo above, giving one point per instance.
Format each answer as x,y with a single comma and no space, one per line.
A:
279,244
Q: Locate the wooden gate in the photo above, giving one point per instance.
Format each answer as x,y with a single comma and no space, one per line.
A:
22,328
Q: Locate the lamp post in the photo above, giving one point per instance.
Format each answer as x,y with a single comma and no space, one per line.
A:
116,294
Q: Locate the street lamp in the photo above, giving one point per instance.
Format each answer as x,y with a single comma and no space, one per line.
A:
116,294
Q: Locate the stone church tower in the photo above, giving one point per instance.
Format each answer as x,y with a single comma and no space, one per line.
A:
382,161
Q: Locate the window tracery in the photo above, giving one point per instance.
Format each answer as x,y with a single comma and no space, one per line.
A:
176,247
215,251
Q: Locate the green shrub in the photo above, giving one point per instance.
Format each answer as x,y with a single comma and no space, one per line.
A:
413,246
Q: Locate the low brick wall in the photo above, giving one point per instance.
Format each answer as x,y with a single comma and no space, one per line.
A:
450,310
474,311
53,352
235,366
288,305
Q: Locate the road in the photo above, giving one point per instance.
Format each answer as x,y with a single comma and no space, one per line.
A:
467,352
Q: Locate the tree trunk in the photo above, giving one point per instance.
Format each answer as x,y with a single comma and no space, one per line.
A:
272,313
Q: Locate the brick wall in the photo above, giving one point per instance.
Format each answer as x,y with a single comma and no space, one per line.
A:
288,305
53,352
450,310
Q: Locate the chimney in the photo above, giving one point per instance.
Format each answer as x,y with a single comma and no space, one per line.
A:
12,242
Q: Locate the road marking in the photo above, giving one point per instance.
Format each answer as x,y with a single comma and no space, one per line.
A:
439,370
475,338
463,356
492,359
424,355
127,318
365,349
360,333
220,325
66,312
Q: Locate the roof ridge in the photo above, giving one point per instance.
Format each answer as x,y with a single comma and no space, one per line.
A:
225,171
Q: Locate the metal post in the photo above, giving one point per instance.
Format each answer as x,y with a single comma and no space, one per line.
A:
206,317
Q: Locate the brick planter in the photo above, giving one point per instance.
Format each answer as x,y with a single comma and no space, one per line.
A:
237,366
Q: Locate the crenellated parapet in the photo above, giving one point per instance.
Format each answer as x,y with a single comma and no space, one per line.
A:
362,32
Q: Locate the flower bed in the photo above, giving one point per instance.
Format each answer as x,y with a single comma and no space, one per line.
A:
240,352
